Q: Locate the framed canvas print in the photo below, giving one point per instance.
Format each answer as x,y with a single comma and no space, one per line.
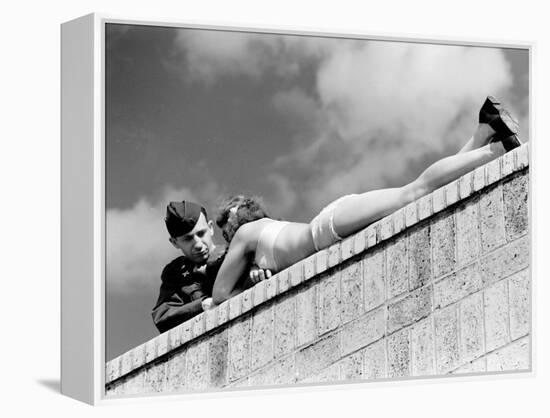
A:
248,208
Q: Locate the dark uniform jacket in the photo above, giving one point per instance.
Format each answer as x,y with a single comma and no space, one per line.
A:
183,289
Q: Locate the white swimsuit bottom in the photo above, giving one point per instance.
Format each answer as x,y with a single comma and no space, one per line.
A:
322,226
264,257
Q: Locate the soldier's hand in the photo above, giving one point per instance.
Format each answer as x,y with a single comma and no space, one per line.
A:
207,304
257,274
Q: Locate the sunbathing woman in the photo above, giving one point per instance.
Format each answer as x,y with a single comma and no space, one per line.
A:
275,245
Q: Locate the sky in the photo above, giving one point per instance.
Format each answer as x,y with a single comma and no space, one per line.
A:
298,120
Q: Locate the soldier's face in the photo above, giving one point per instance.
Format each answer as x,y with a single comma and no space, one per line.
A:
197,244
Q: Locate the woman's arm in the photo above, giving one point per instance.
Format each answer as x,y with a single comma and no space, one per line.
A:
237,260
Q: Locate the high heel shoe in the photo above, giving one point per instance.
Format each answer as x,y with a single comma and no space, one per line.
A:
501,121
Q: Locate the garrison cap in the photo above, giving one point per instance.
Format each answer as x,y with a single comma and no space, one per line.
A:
181,217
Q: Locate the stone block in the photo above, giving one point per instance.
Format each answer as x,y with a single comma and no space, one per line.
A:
457,285
112,370
296,274
218,351
155,378
162,344
211,319
280,372
422,348
197,373
465,185
508,163
398,354
520,302
446,340
471,328
329,303
347,248
330,374
258,295
138,357
151,348
505,261
235,306
239,348
374,360
374,279
493,171
283,281
309,267
334,256
321,261
306,321
479,178
398,219
261,351
176,372
198,326
496,316
271,288
223,312
351,367
360,242
246,299
442,233
438,200
491,219
135,385
514,357
467,232
522,156
371,235
411,214
284,326
352,292
420,265
425,207
397,267
363,331
409,309
386,227
516,212
317,356
451,193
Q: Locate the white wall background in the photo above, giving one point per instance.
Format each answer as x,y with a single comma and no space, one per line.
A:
29,212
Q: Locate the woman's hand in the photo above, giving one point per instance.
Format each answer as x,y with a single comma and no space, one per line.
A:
257,274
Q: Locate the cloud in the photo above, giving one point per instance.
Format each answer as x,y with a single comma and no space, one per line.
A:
137,242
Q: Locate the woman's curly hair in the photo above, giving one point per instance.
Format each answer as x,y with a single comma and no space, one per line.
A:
249,208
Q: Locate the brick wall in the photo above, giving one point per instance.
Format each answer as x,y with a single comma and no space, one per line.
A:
441,286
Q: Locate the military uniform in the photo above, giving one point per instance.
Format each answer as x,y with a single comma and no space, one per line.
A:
184,287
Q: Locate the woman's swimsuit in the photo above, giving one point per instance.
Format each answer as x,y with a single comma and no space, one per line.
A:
264,257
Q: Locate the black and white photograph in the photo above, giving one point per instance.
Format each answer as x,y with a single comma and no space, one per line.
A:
289,208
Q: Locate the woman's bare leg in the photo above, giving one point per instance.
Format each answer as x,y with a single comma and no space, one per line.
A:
361,210
480,138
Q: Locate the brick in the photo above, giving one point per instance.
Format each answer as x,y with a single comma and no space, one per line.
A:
278,373
465,185
438,200
371,235
271,288
258,293
411,215
283,282
363,331
347,248
398,354
321,261
374,360
420,265
135,385
351,367
239,348
284,326
211,319
519,290
397,267
186,334
262,338
330,374
476,366
223,312
467,232
334,257
516,216
471,328
306,327
246,299
154,379
296,274
451,193
151,348
409,309
352,292
514,357
235,306
112,371
360,242
422,348
496,315
162,344
508,164
386,227
138,357
317,356
522,156
374,279
505,261
446,340
458,285
398,219
198,325
479,178
176,372
378,229
309,267
493,171
491,219
442,233
329,303
197,366
425,208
